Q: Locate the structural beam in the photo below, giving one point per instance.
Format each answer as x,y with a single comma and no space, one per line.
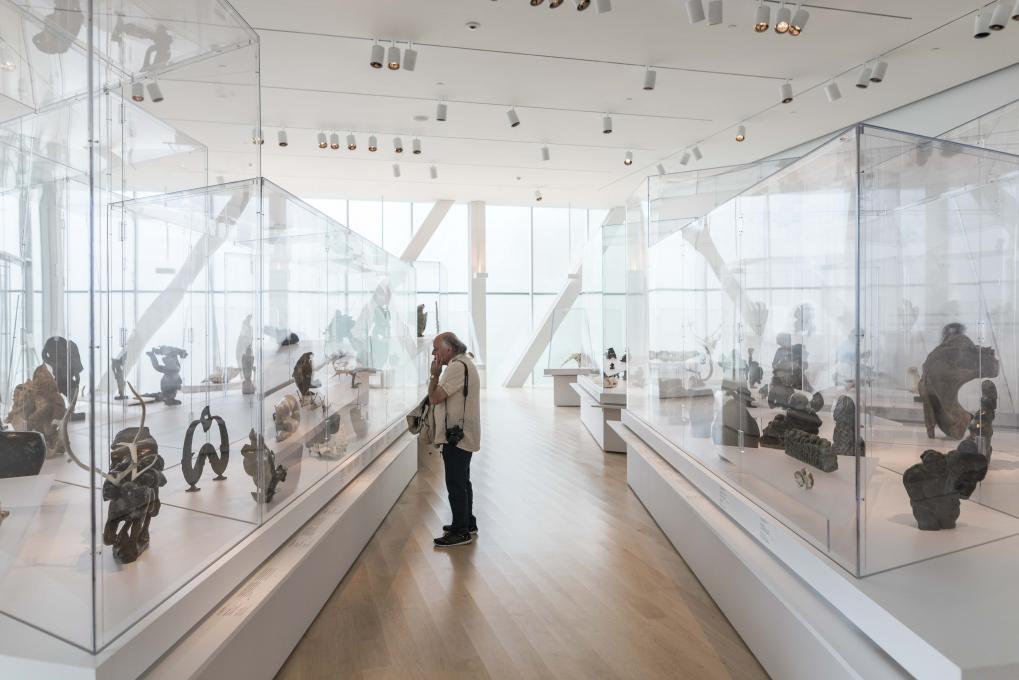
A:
477,295
428,228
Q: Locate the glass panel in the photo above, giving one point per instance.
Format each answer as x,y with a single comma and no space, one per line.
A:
508,234
551,249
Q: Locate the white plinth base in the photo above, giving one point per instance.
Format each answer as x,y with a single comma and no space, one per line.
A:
597,418
562,378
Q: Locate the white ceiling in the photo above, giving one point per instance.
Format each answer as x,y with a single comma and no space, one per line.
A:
563,69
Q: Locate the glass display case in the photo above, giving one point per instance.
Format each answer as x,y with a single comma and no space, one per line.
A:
433,293
835,338
602,302
570,345
181,361
997,129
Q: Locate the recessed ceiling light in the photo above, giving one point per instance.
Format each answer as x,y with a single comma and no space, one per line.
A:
473,25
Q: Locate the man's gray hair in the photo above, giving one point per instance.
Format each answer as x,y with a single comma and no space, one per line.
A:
453,342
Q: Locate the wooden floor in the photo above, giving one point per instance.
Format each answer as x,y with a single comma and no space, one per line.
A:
570,577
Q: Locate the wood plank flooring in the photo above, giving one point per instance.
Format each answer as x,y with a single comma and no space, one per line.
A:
569,578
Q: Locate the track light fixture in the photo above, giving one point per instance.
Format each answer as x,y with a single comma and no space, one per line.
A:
981,25
545,154
696,151
256,136
537,195
281,138
322,141
694,11
373,144
440,112
137,91
714,12
1015,11
396,170
878,74
799,20
514,119
415,147
582,5
155,94
628,158
661,169
351,142
433,172
763,18
552,4
786,90
741,133
782,19
378,55
999,18
864,80
535,3
334,141
393,58
606,124
685,158
650,77
603,6
397,145
410,58
832,91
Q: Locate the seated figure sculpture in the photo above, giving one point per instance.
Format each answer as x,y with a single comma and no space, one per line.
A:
36,406
171,381
948,367
932,496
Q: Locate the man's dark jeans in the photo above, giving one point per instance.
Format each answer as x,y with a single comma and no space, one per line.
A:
458,484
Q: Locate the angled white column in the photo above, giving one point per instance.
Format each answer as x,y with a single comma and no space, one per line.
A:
477,294
428,228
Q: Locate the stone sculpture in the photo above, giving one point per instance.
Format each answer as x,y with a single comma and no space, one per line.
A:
36,406
967,467
245,339
248,369
21,453
171,381
948,367
287,417
192,464
291,339
788,372
981,427
773,436
812,450
736,419
117,366
846,440
800,414
932,495
303,375
62,356
422,321
260,465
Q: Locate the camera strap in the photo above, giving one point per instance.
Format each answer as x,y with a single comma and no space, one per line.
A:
467,375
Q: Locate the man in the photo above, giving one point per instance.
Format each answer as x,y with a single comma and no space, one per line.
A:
460,388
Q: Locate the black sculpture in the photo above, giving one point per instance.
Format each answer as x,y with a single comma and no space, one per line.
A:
171,381
736,419
846,440
63,358
967,467
981,427
192,464
773,436
260,465
303,374
812,450
117,366
21,453
788,372
932,493
291,339
800,414
948,367
248,369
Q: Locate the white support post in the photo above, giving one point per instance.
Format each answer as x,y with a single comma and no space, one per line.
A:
479,285
428,228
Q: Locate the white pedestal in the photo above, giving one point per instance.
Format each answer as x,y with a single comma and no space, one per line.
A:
562,378
599,407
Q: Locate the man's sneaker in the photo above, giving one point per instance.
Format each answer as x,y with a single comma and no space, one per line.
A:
449,527
449,539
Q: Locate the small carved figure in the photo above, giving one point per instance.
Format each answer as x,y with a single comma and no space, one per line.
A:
932,495
579,357
736,419
287,417
846,440
62,356
801,415
260,465
248,368
220,375
774,432
171,381
967,467
193,464
291,339
948,367
811,449
303,374
422,321
36,406
245,339
981,427
804,479
22,454
117,366
788,371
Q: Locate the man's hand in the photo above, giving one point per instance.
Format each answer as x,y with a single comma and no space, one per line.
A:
436,367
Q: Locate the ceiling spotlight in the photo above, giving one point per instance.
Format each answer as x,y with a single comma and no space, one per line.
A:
322,141
514,119
545,154
155,94
628,159
440,112
603,6
786,91
351,142
696,151
256,136
433,172
650,76
373,144
878,73
535,3
581,6
410,58
606,124
864,80
685,158
741,133
661,169
137,91
763,19
832,91
415,147
397,145
1015,11
334,141
694,11
396,169
378,55
981,25
782,19
999,19
799,21
393,60
281,138
714,12
537,196
552,4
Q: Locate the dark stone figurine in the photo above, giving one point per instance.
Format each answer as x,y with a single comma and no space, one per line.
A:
21,453
192,464
846,440
63,358
981,427
736,419
303,375
171,381
291,339
117,366
422,321
774,432
248,369
260,465
812,450
934,501
948,367
967,467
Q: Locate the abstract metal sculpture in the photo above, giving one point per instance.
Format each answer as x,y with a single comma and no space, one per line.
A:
171,381
260,465
192,464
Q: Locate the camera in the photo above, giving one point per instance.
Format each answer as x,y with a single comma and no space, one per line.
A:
454,435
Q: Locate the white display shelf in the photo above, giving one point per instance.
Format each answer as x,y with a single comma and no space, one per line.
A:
614,396
562,378
598,410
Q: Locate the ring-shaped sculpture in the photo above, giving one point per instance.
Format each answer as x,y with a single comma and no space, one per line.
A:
192,464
